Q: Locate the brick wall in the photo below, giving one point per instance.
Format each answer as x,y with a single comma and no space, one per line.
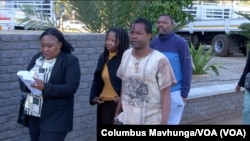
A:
16,49
210,109
213,103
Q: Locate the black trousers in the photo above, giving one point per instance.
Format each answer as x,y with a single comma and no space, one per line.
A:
106,113
37,135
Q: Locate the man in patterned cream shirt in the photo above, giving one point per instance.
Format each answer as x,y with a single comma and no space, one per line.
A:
146,80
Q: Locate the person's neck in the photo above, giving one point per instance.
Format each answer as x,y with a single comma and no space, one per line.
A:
163,34
140,53
112,54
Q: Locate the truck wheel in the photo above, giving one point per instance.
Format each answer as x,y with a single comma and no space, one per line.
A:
220,45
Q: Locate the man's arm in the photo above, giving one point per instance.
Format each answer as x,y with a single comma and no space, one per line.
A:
186,64
165,103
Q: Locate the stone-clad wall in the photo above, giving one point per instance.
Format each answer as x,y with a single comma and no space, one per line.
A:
16,50
211,109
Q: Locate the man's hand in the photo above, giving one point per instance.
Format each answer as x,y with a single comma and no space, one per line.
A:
184,99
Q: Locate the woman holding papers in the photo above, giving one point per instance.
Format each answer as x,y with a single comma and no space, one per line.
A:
56,74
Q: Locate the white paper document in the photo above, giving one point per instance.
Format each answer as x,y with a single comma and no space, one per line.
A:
28,80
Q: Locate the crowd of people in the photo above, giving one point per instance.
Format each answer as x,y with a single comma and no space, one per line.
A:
139,80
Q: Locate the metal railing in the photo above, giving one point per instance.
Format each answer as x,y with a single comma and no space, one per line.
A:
46,9
204,11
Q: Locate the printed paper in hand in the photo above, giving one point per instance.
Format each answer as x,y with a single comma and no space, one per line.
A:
28,80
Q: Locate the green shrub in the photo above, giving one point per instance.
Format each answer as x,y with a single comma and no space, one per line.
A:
200,59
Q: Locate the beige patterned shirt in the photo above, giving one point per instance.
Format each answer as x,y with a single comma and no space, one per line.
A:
142,82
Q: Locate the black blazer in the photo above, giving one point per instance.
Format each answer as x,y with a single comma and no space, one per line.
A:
58,93
246,70
98,83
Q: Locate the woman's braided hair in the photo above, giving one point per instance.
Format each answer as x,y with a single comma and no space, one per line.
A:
122,37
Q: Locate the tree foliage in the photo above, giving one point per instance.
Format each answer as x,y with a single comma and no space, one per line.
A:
35,18
101,15
173,8
245,27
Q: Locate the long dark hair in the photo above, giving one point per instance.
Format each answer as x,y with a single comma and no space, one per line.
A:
121,35
66,46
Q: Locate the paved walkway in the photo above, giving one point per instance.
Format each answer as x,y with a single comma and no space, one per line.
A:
230,121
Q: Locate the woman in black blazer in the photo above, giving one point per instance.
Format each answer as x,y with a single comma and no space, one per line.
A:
246,100
106,86
57,74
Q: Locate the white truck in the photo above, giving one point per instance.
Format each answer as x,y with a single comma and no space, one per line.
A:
216,25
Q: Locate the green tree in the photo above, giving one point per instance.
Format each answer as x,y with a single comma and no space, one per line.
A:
173,8
38,20
99,16
245,27
35,18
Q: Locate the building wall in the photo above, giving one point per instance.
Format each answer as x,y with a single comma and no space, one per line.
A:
16,50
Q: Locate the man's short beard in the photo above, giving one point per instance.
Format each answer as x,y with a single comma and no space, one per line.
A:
161,34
